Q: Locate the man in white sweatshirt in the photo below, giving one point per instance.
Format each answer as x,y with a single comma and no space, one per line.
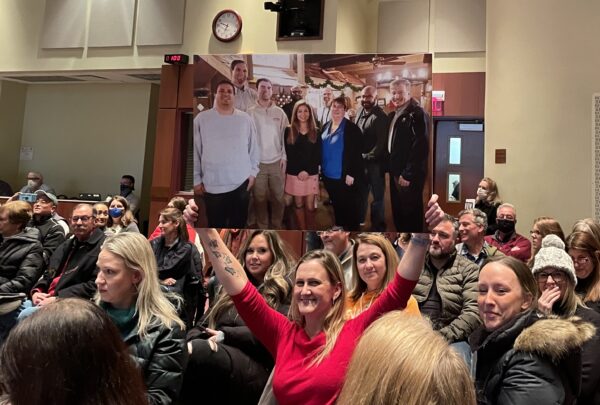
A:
226,158
270,122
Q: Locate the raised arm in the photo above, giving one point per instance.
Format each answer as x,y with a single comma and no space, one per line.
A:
227,269
411,265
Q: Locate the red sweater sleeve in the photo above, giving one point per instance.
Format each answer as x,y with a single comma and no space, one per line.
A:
394,297
264,322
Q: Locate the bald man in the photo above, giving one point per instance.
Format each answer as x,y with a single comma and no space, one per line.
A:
373,122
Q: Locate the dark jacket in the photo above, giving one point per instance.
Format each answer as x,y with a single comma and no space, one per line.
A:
162,357
490,209
78,277
457,285
410,144
21,261
352,162
302,154
52,235
530,361
374,126
174,262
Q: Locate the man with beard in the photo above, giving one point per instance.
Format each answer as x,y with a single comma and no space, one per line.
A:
52,233
506,238
373,122
296,95
447,288
270,122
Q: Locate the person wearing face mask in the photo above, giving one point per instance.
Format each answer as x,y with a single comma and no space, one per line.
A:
506,238
35,182
224,354
120,217
126,190
488,201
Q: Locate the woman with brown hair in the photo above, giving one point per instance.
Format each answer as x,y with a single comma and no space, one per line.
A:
373,268
303,150
342,165
68,352
313,346
488,201
224,354
584,249
543,226
402,360
521,358
120,217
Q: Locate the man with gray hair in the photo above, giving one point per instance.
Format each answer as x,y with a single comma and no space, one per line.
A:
447,288
408,149
472,224
506,238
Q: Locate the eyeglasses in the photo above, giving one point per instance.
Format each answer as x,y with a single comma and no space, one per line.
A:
582,261
331,230
83,218
557,276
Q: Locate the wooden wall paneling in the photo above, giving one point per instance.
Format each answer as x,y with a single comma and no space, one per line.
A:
169,86
164,147
465,93
185,94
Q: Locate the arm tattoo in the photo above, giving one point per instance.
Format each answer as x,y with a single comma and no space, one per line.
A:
230,270
216,254
227,260
213,243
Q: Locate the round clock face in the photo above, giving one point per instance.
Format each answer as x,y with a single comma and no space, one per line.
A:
227,25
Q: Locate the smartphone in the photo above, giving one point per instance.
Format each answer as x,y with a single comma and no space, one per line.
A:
29,197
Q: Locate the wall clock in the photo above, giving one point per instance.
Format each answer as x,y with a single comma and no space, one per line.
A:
227,25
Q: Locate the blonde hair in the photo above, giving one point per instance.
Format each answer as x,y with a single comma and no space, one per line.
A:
391,262
18,212
401,360
152,305
275,287
334,319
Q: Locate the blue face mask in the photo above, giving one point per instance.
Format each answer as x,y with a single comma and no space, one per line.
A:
115,212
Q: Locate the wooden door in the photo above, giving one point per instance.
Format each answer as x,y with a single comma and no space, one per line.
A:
458,163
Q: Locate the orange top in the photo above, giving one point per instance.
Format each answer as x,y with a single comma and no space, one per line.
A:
355,308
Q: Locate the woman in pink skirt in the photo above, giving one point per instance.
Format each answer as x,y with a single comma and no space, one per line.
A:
303,149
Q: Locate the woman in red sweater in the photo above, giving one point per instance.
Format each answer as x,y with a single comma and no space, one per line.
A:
312,348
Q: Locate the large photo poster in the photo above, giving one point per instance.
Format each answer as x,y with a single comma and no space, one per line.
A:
312,142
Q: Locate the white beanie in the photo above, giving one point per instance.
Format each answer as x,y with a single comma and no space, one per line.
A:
553,255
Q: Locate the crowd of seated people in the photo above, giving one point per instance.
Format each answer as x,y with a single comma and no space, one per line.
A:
521,314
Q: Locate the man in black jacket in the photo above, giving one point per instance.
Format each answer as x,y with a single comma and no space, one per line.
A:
373,122
408,150
72,268
52,233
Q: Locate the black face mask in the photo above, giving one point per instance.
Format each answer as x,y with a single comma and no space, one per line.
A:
125,190
505,225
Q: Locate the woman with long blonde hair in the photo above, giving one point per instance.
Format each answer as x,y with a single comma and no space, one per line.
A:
129,291
373,268
488,201
401,360
313,346
222,345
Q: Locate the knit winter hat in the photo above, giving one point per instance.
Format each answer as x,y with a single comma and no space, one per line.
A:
552,254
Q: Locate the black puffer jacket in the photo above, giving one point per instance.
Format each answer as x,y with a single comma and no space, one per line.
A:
21,261
174,262
162,357
530,360
52,234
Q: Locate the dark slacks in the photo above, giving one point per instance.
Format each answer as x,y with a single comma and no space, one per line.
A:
407,206
228,210
346,202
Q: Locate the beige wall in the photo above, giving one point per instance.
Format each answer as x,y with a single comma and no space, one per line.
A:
86,136
543,65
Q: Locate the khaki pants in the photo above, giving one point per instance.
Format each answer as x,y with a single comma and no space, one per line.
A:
269,189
